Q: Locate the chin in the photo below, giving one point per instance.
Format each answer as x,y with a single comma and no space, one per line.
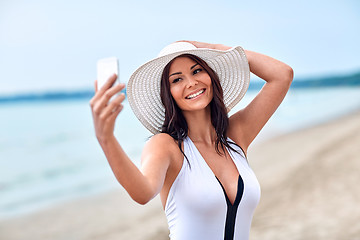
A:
196,107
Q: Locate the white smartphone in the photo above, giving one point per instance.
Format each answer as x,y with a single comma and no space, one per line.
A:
106,67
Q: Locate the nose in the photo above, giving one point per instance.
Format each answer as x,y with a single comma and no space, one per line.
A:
191,81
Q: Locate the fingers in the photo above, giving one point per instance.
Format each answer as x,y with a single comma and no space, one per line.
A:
102,96
109,82
115,113
103,110
107,85
196,44
192,42
105,98
113,108
95,87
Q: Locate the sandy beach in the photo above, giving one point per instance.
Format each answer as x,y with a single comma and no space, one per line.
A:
309,181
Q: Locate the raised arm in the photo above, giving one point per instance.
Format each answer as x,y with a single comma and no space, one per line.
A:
247,123
142,185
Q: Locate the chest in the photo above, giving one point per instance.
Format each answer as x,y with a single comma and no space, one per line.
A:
222,167
199,190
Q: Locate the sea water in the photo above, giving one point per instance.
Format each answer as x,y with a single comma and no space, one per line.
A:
49,153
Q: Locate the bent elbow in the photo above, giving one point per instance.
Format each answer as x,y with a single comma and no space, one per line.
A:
142,199
289,74
286,76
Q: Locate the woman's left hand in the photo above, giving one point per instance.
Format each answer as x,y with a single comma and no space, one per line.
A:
207,45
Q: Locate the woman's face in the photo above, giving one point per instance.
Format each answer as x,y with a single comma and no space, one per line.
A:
190,84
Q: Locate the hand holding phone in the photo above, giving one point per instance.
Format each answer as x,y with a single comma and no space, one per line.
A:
106,67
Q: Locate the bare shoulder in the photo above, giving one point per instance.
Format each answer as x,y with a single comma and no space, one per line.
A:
161,140
161,145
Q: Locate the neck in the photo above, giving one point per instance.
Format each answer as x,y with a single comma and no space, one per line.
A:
200,128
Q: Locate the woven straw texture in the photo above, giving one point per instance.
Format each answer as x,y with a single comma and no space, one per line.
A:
143,88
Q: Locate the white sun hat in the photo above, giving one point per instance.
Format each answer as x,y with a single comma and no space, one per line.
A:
143,89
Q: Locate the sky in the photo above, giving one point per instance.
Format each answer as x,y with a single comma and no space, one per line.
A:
54,45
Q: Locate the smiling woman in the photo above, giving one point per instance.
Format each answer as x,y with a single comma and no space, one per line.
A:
194,87
190,83
183,97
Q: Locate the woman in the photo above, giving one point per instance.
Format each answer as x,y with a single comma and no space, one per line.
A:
196,159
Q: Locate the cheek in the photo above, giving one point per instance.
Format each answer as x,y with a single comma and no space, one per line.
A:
211,94
175,92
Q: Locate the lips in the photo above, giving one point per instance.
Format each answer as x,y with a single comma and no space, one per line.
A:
195,94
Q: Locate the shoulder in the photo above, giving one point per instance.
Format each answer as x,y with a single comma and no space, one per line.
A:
162,139
162,145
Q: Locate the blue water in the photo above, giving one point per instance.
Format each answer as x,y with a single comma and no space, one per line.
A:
49,153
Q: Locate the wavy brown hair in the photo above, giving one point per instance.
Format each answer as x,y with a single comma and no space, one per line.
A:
175,123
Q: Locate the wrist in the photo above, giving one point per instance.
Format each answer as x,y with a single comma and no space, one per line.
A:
248,55
221,47
106,141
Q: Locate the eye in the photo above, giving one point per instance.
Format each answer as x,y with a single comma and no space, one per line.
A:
176,80
197,71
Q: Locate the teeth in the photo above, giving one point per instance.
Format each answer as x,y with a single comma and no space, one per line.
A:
195,94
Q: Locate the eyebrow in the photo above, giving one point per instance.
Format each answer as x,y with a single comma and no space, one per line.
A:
180,72
174,74
194,66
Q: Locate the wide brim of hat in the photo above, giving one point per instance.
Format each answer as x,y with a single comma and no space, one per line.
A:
143,89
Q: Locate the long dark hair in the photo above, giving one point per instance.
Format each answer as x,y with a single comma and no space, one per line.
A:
175,123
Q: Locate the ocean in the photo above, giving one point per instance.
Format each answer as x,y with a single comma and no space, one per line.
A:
49,153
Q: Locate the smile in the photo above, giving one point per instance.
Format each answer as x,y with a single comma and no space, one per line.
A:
194,95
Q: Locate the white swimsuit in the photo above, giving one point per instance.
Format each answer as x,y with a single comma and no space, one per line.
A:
197,207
